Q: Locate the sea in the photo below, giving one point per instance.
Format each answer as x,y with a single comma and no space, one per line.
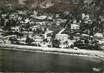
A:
25,61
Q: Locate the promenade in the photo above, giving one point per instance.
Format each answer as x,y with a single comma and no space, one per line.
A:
78,52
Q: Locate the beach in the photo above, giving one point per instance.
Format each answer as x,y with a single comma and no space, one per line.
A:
80,52
25,61
24,58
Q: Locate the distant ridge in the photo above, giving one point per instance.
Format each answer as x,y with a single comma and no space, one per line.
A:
61,7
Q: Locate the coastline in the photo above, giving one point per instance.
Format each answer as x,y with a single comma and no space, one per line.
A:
77,52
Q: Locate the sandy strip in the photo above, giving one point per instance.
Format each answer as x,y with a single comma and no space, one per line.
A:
79,52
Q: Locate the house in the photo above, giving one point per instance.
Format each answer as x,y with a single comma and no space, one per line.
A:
74,27
41,17
62,37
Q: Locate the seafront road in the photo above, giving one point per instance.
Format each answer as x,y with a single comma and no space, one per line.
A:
79,52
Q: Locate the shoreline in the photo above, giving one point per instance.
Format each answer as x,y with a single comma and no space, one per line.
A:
78,52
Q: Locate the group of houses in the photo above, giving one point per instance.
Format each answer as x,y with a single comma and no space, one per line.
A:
62,28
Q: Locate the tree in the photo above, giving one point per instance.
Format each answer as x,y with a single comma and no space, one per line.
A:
94,8
29,3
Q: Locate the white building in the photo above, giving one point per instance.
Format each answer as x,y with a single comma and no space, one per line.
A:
74,27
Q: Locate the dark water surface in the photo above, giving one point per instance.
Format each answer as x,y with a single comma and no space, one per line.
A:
45,62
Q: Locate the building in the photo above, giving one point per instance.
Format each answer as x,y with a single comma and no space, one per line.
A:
74,27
